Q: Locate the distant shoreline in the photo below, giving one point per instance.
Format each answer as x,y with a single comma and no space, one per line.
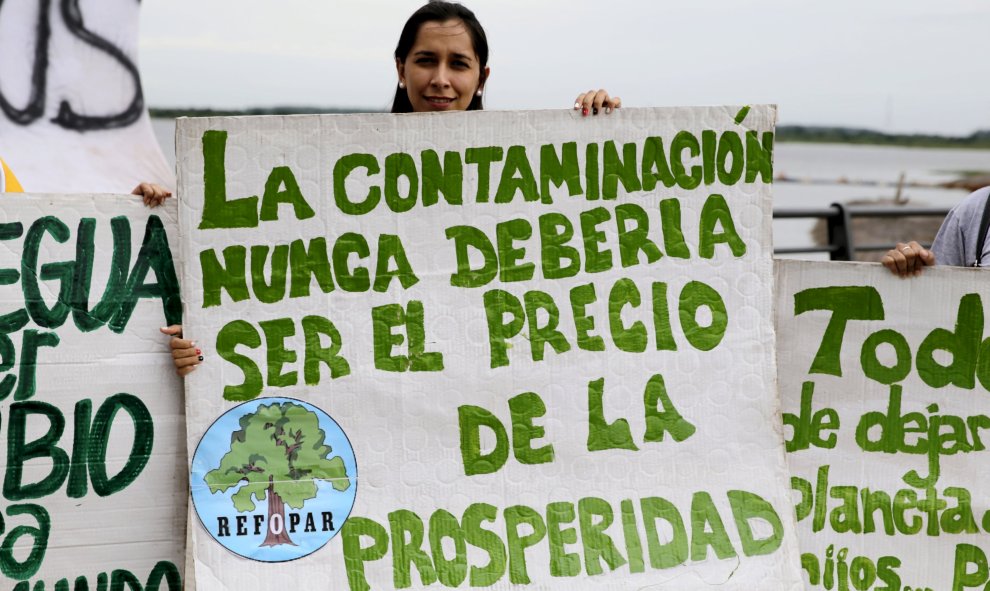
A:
811,134
979,140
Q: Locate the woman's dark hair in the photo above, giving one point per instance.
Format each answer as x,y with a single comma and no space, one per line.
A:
439,11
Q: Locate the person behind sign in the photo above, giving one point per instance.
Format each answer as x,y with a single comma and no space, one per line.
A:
960,242
153,195
442,64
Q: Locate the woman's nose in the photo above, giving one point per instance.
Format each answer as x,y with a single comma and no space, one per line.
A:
440,77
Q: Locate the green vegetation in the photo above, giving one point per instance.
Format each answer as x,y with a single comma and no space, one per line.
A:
846,135
965,173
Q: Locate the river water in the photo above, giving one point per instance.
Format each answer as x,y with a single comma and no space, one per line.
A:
882,165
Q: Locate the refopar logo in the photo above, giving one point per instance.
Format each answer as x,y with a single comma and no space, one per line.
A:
274,479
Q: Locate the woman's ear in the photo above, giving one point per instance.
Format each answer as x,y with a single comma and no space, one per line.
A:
400,69
484,78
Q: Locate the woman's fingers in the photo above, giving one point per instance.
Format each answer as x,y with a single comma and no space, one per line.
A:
594,102
173,330
186,359
598,102
153,195
584,102
177,343
186,362
185,354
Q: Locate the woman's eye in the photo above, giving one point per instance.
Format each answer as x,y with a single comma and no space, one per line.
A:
424,60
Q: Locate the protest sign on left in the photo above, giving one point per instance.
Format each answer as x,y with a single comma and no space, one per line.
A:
73,117
91,415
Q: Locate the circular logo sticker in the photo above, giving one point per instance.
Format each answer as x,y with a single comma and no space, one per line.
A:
274,479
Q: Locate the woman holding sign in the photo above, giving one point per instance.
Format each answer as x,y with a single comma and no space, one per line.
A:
442,64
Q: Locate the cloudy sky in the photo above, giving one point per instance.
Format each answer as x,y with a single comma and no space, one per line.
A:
896,66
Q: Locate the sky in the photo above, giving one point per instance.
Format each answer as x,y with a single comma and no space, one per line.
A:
904,66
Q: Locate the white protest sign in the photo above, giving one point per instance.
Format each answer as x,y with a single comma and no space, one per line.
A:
884,385
512,349
72,113
94,483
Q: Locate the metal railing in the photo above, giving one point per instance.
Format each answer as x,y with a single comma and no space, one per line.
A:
838,218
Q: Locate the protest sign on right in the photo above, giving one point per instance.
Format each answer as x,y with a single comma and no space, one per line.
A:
885,388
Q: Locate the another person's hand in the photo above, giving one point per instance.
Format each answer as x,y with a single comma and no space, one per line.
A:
908,259
152,194
185,355
594,102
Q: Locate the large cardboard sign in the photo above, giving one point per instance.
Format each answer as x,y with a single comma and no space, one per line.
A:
93,457
72,113
513,349
886,393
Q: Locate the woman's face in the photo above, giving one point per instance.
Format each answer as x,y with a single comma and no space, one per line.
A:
441,72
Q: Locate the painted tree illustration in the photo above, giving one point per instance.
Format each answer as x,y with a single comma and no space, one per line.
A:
277,455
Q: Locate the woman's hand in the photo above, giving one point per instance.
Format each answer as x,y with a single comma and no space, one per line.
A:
908,259
185,355
152,194
594,102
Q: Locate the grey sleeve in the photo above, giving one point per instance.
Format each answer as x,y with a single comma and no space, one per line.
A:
949,246
955,243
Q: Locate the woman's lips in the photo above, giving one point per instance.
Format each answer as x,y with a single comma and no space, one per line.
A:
439,102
